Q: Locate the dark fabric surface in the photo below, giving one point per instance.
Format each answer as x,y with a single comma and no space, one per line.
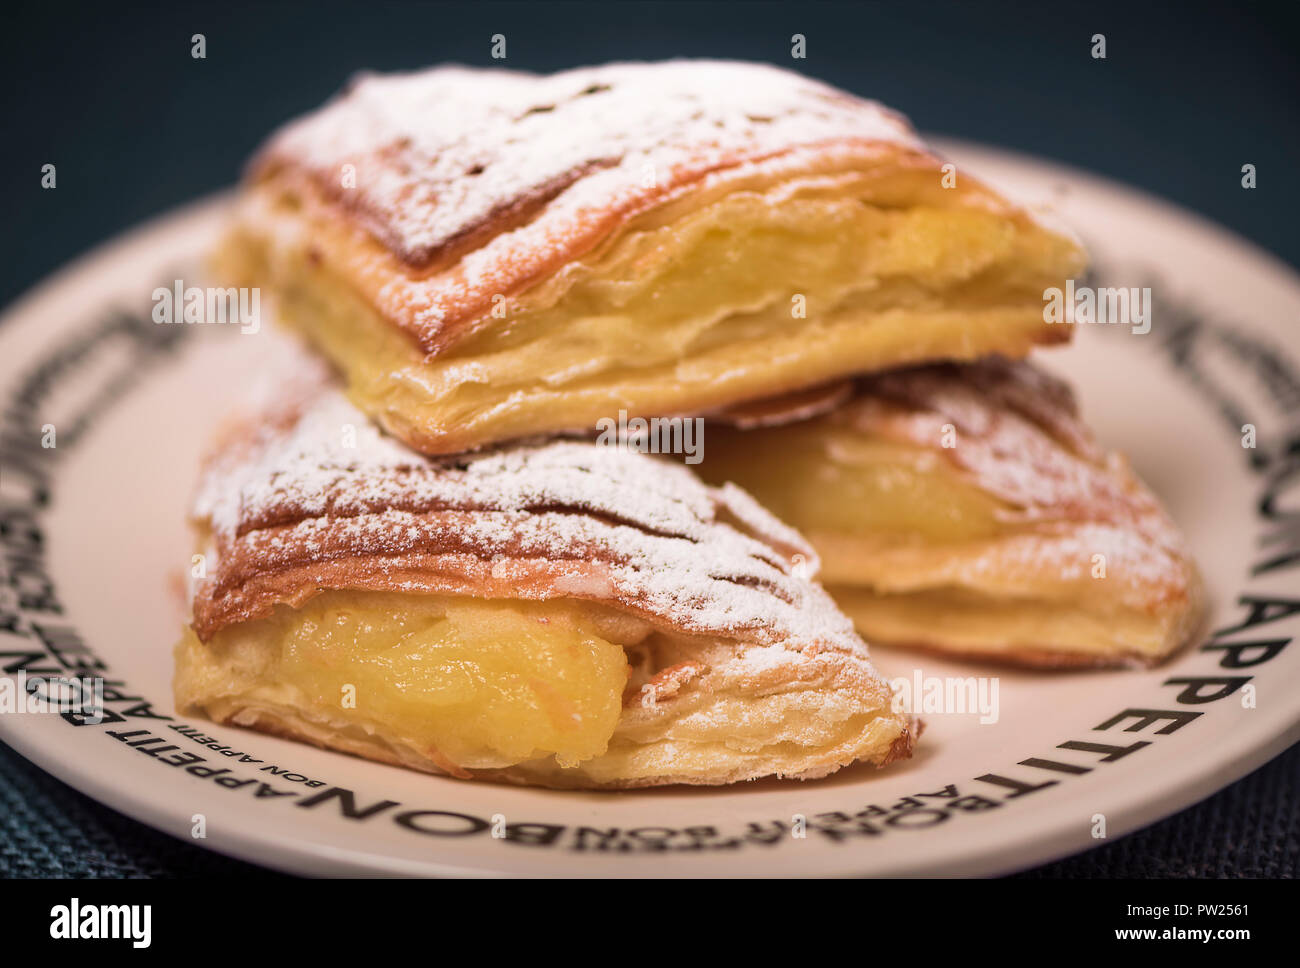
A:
1251,829
48,829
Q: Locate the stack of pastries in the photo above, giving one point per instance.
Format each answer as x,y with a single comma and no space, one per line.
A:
416,551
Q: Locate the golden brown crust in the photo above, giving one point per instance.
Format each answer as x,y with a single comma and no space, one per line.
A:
901,749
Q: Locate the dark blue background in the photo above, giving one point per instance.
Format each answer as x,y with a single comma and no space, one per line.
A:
1188,93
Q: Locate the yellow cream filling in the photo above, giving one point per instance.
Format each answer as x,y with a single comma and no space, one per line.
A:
748,296
834,481
474,683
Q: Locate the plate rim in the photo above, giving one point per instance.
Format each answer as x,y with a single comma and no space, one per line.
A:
1134,810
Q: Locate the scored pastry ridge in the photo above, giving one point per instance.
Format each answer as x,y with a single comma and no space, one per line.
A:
618,526
447,152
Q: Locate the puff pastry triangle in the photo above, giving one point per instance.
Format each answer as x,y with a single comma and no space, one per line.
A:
967,509
555,613
488,255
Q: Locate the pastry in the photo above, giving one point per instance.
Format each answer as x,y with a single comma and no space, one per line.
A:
968,510
555,613
487,255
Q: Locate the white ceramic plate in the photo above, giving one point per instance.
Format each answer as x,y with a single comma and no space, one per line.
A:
95,528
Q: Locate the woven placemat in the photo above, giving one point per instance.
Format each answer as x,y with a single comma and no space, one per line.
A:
1251,829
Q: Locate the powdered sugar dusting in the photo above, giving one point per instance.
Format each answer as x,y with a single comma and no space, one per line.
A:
316,492
440,152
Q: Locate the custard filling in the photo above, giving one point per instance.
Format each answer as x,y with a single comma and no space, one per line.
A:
471,683
751,295
552,688
837,486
